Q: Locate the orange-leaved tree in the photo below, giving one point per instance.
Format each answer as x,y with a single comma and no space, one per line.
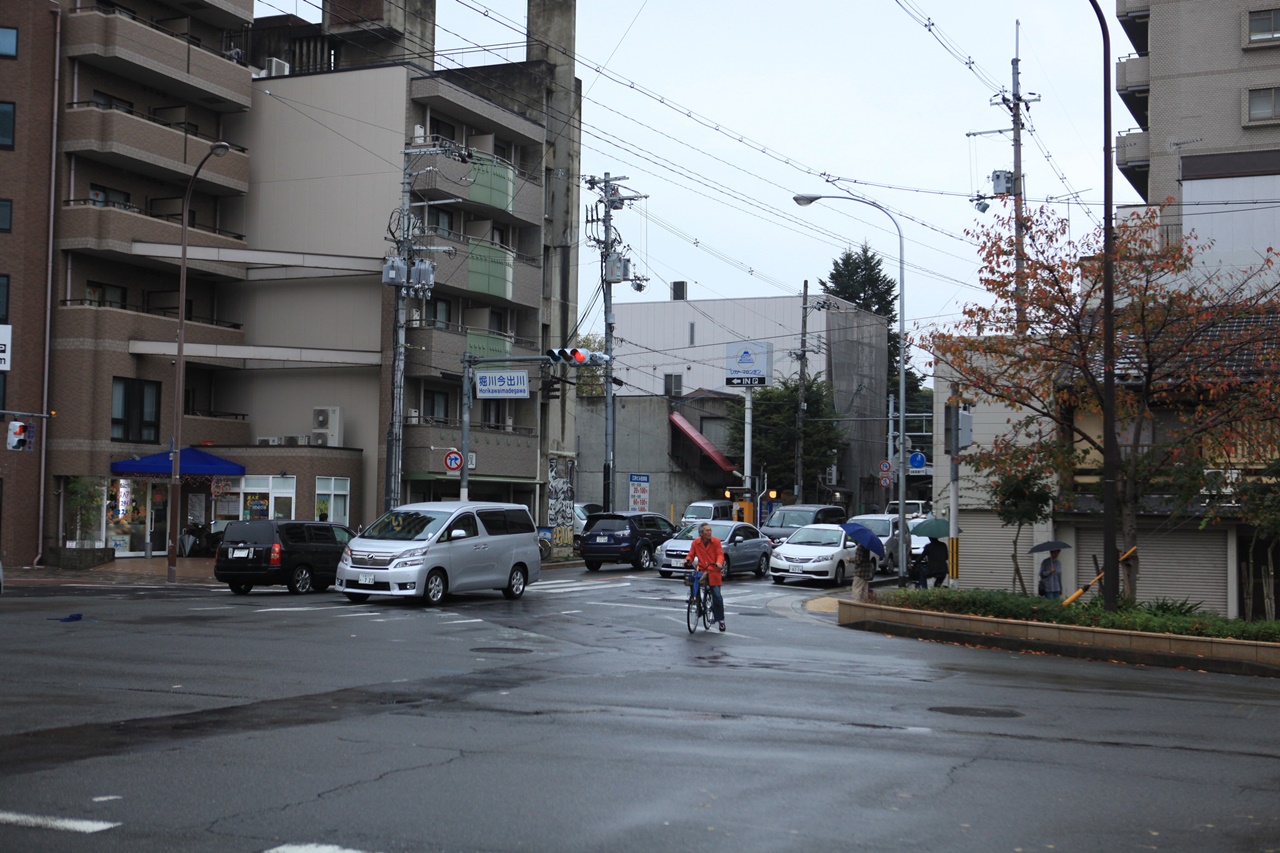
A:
1196,365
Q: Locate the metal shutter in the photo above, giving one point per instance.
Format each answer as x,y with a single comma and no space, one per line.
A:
1178,564
985,546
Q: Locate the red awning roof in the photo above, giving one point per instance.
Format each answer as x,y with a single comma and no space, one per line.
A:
704,444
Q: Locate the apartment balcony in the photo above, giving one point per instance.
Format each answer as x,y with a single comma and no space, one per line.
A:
434,346
144,145
1133,83
1133,159
486,269
485,186
501,451
108,229
1135,18
116,41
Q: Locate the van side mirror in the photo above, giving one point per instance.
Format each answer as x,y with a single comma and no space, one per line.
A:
457,533
738,540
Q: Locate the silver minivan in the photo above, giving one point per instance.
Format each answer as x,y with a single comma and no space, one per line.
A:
699,511
429,550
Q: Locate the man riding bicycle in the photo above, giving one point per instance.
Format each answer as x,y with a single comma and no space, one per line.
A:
706,556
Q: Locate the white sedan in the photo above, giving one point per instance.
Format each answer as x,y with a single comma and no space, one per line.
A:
820,552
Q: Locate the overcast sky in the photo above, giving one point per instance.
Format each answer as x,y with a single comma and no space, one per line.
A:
782,92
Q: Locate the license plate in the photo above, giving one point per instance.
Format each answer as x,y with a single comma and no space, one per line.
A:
239,552
366,580
602,538
796,569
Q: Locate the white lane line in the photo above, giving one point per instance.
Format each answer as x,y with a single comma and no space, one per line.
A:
461,621
616,604
312,848
223,607
299,609
360,613
64,824
107,798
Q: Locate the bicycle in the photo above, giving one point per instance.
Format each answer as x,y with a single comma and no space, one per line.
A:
698,605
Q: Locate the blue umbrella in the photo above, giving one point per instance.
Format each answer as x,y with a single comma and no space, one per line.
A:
865,537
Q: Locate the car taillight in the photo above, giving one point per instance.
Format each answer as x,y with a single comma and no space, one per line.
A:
275,554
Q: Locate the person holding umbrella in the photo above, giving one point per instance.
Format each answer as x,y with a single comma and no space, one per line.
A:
933,563
863,566
1051,575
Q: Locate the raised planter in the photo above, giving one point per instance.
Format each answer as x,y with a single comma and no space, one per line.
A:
79,558
1240,657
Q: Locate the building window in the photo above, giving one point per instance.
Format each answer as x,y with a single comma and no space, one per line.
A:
437,405
443,129
440,221
108,101
102,196
6,214
1264,25
4,302
135,410
8,42
692,327
105,295
7,124
333,499
672,384
1264,104
438,309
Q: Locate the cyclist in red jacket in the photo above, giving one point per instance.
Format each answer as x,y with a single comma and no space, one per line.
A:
710,560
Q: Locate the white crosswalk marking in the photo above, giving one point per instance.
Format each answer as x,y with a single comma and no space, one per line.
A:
65,824
569,586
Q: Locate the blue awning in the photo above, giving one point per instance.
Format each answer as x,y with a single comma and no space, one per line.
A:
192,461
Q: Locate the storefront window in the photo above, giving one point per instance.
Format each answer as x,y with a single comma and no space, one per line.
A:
333,496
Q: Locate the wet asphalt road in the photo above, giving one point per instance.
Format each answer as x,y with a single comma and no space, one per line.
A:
585,717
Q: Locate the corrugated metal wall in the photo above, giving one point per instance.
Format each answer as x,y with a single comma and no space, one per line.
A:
985,546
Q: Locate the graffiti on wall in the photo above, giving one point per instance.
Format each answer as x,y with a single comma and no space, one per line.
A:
560,477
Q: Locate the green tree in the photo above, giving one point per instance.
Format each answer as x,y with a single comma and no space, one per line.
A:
1021,495
773,433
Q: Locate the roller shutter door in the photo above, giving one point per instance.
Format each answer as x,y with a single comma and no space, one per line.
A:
985,546
1182,564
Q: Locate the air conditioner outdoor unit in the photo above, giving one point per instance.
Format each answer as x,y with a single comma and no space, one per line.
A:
415,314
295,440
268,440
419,135
414,414
326,426
277,67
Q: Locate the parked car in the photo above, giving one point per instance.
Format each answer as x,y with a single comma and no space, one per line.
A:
721,510
745,548
431,549
624,537
914,508
302,555
885,526
786,520
580,513
822,552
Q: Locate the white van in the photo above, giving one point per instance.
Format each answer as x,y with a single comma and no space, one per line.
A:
700,511
431,549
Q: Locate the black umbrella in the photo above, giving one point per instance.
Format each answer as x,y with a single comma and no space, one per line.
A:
1051,545
864,537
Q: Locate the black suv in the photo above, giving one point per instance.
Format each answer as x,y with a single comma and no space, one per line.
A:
300,554
624,537
788,519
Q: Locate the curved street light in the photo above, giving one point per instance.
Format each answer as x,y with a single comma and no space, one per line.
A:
904,549
216,149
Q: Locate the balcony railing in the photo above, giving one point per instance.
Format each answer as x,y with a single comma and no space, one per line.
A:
141,309
175,218
183,126
234,55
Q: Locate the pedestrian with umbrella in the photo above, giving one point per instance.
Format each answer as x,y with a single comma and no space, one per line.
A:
1050,568
863,566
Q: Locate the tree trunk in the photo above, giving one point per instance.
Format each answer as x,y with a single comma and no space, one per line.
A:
1269,583
1128,539
1246,580
1017,571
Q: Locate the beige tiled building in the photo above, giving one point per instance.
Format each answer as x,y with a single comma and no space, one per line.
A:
288,353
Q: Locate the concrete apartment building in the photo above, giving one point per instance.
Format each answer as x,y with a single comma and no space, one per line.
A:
1203,89
288,329
673,347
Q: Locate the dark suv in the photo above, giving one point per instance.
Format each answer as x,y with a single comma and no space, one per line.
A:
624,537
303,555
788,519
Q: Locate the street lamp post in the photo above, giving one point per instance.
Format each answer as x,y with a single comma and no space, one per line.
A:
904,548
216,149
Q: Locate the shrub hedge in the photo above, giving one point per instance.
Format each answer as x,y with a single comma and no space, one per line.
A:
1156,617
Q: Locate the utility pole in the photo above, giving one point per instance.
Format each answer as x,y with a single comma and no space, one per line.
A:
804,353
410,276
614,268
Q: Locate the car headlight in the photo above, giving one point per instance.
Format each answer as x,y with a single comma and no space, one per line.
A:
412,557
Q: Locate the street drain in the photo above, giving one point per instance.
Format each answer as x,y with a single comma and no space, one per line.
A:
502,651
977,712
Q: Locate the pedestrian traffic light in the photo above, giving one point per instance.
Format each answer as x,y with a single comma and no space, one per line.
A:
17,435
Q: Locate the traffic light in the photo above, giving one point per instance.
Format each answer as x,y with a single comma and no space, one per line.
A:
576,357
17,435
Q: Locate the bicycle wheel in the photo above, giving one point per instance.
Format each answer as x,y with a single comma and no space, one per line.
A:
706,607
692,612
